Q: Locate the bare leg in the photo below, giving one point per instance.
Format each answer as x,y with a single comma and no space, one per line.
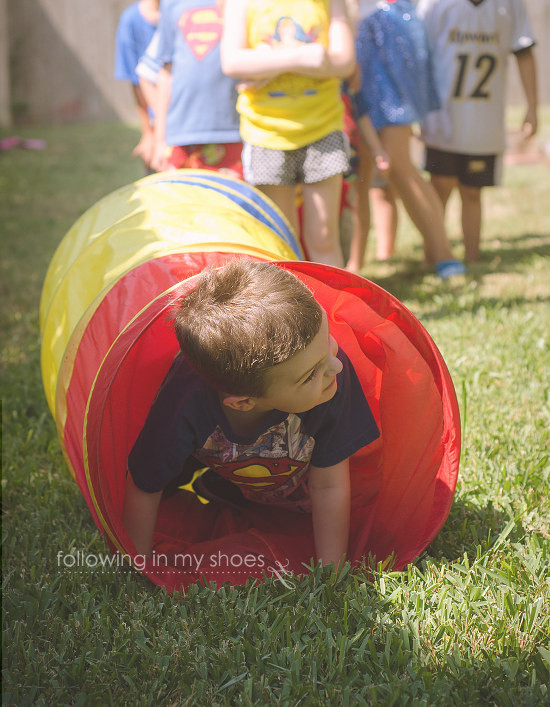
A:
385,215
285,198
419,197
357,242
321,228
471,221
443,186
362,210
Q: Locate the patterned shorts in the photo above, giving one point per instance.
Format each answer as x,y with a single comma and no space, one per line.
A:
221,157
304,165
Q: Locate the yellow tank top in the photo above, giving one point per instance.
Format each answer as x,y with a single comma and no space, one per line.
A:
292,110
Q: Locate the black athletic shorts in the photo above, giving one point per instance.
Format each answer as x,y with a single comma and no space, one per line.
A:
470,170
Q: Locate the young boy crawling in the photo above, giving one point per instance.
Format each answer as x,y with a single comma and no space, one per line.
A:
263,398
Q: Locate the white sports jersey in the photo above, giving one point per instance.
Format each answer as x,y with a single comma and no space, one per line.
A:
471,45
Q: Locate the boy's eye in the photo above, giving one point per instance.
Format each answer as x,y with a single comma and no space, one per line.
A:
311,376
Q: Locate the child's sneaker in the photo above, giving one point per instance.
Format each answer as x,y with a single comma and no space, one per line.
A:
447,269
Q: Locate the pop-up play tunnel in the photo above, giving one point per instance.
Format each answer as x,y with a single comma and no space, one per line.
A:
107,343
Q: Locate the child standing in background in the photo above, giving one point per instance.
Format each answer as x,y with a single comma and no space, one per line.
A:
470,41
291,57
397,90
374,194
135,30
197,125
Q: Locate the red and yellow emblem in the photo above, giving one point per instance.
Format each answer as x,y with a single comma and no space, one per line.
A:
260,473
202,29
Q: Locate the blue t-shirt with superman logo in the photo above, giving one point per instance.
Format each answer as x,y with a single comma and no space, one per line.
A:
269,466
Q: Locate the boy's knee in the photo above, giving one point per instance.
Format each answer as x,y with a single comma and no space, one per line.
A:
324,239
471,195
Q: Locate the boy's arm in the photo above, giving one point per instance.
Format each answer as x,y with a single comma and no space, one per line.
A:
144,148
147,71
340,55
372,141
149,91
312,59
139,516
528,76
241,62
329,491
164,87
341,42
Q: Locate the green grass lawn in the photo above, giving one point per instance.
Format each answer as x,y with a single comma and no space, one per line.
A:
468,623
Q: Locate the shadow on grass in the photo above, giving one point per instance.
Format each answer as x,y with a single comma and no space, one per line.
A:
411,280
468,526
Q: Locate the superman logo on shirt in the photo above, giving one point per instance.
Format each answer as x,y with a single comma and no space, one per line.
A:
202,29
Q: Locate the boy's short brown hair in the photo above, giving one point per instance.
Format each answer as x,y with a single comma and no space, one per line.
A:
243,319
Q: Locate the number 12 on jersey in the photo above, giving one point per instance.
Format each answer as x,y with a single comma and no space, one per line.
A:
484,65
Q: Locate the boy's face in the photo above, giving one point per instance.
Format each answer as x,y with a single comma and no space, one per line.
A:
305,380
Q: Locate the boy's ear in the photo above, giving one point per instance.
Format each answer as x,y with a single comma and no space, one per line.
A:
241,403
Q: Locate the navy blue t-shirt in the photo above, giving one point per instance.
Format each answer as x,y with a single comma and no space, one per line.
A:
269,466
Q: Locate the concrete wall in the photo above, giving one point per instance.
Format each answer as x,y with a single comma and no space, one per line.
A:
57,56
61,56
5,114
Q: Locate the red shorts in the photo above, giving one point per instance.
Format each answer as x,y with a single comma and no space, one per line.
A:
223,157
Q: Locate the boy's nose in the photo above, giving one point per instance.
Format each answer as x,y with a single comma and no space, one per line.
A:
335,365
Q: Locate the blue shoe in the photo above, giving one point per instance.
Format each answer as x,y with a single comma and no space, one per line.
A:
449,268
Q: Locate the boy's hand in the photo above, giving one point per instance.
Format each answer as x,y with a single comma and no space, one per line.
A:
329,491
382,161
145,149
313,56
530,123
254,84
354,81
159,160
139,516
